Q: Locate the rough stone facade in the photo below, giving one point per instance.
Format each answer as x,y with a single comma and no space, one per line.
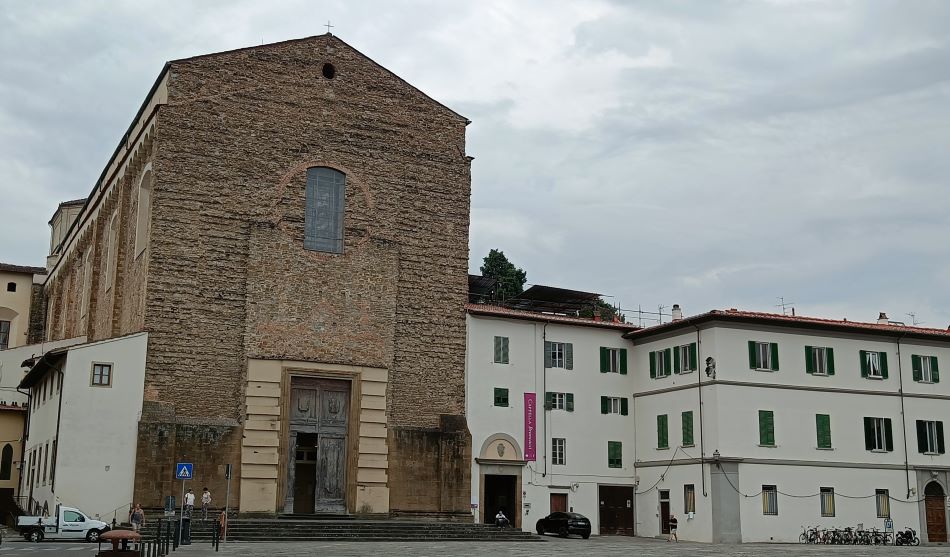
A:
225,276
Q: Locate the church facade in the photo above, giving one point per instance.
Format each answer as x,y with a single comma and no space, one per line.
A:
289,224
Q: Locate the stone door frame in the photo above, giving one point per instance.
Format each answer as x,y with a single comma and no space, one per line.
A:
352,430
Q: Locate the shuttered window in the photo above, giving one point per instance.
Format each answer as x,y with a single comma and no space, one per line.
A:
614,454
770,500
662,432
823,428
819,360
613,360
873,364
558,354
501,396
878,435
501,350
685,358
614,405
882,498
930,437
827,501
763,356
559,401
766,428
687,428
925,369
323,216
661,363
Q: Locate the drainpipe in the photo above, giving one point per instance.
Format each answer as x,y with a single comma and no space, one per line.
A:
26,435
59,415
699,383
900,391
544,390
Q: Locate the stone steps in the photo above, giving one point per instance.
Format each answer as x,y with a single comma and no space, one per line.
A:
351,530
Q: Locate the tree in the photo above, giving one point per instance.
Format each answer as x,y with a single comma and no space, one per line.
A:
510,279
606,312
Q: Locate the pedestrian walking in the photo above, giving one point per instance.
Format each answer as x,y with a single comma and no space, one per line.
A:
137,517
673,523
189,503
205,503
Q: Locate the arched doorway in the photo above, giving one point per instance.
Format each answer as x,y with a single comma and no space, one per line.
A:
936,511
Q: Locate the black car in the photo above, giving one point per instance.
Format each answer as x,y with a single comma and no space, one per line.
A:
564,524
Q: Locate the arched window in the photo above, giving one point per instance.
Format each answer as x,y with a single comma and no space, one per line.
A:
323,220
11,287
6,462
143,214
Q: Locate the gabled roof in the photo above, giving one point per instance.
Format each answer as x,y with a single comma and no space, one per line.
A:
328,36
10,268
795,321
497,311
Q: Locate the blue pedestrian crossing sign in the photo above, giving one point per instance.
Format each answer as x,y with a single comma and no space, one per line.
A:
183,471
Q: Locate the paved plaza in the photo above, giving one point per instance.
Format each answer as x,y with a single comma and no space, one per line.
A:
551,547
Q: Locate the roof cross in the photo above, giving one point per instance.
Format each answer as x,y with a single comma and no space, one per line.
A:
328,26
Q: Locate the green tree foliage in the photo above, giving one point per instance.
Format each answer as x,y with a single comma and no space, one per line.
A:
510,279
606,311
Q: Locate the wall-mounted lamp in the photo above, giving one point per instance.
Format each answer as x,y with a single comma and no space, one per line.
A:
716,458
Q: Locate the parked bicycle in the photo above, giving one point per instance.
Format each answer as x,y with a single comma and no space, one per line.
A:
853,536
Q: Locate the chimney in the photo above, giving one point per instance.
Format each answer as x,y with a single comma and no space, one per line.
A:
677,312
882,319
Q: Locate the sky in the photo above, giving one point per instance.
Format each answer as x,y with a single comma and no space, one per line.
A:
714,154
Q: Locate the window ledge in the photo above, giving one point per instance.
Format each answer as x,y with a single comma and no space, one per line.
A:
764,369
768,446
826,375
874,378
879,451
925,382
687,372
931,454
688,446
825,448
662,448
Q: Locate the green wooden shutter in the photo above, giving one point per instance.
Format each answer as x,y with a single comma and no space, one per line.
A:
569,401
693,357
823,428
498,350
501,396
869,434
830,354
941,448
614,454
773,347
605,405
652,365
668,362
916,368
676,360
603,359
662,432
547,354
753,359
548,400
687,428
569,355
883,357
934,370
766,428
888,435
624,406
623,361
922,436
809,359
863,354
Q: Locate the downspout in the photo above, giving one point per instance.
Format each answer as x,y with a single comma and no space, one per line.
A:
544,390
900,392
59,415
26,435
699,383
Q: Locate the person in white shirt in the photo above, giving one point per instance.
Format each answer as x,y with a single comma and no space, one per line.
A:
189,502
205,503
500,519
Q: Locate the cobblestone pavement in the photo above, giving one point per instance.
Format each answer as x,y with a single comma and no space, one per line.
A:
594,547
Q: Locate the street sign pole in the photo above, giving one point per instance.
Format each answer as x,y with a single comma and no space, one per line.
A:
184,471
181,519
227,500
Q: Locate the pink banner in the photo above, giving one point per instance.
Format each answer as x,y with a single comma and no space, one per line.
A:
530,429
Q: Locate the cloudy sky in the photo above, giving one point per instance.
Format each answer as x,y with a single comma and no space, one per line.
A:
712,154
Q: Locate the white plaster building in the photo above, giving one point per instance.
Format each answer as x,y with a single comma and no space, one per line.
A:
84,408
577,370
798,421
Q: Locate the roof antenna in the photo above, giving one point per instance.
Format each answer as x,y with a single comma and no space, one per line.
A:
786,306
913,319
